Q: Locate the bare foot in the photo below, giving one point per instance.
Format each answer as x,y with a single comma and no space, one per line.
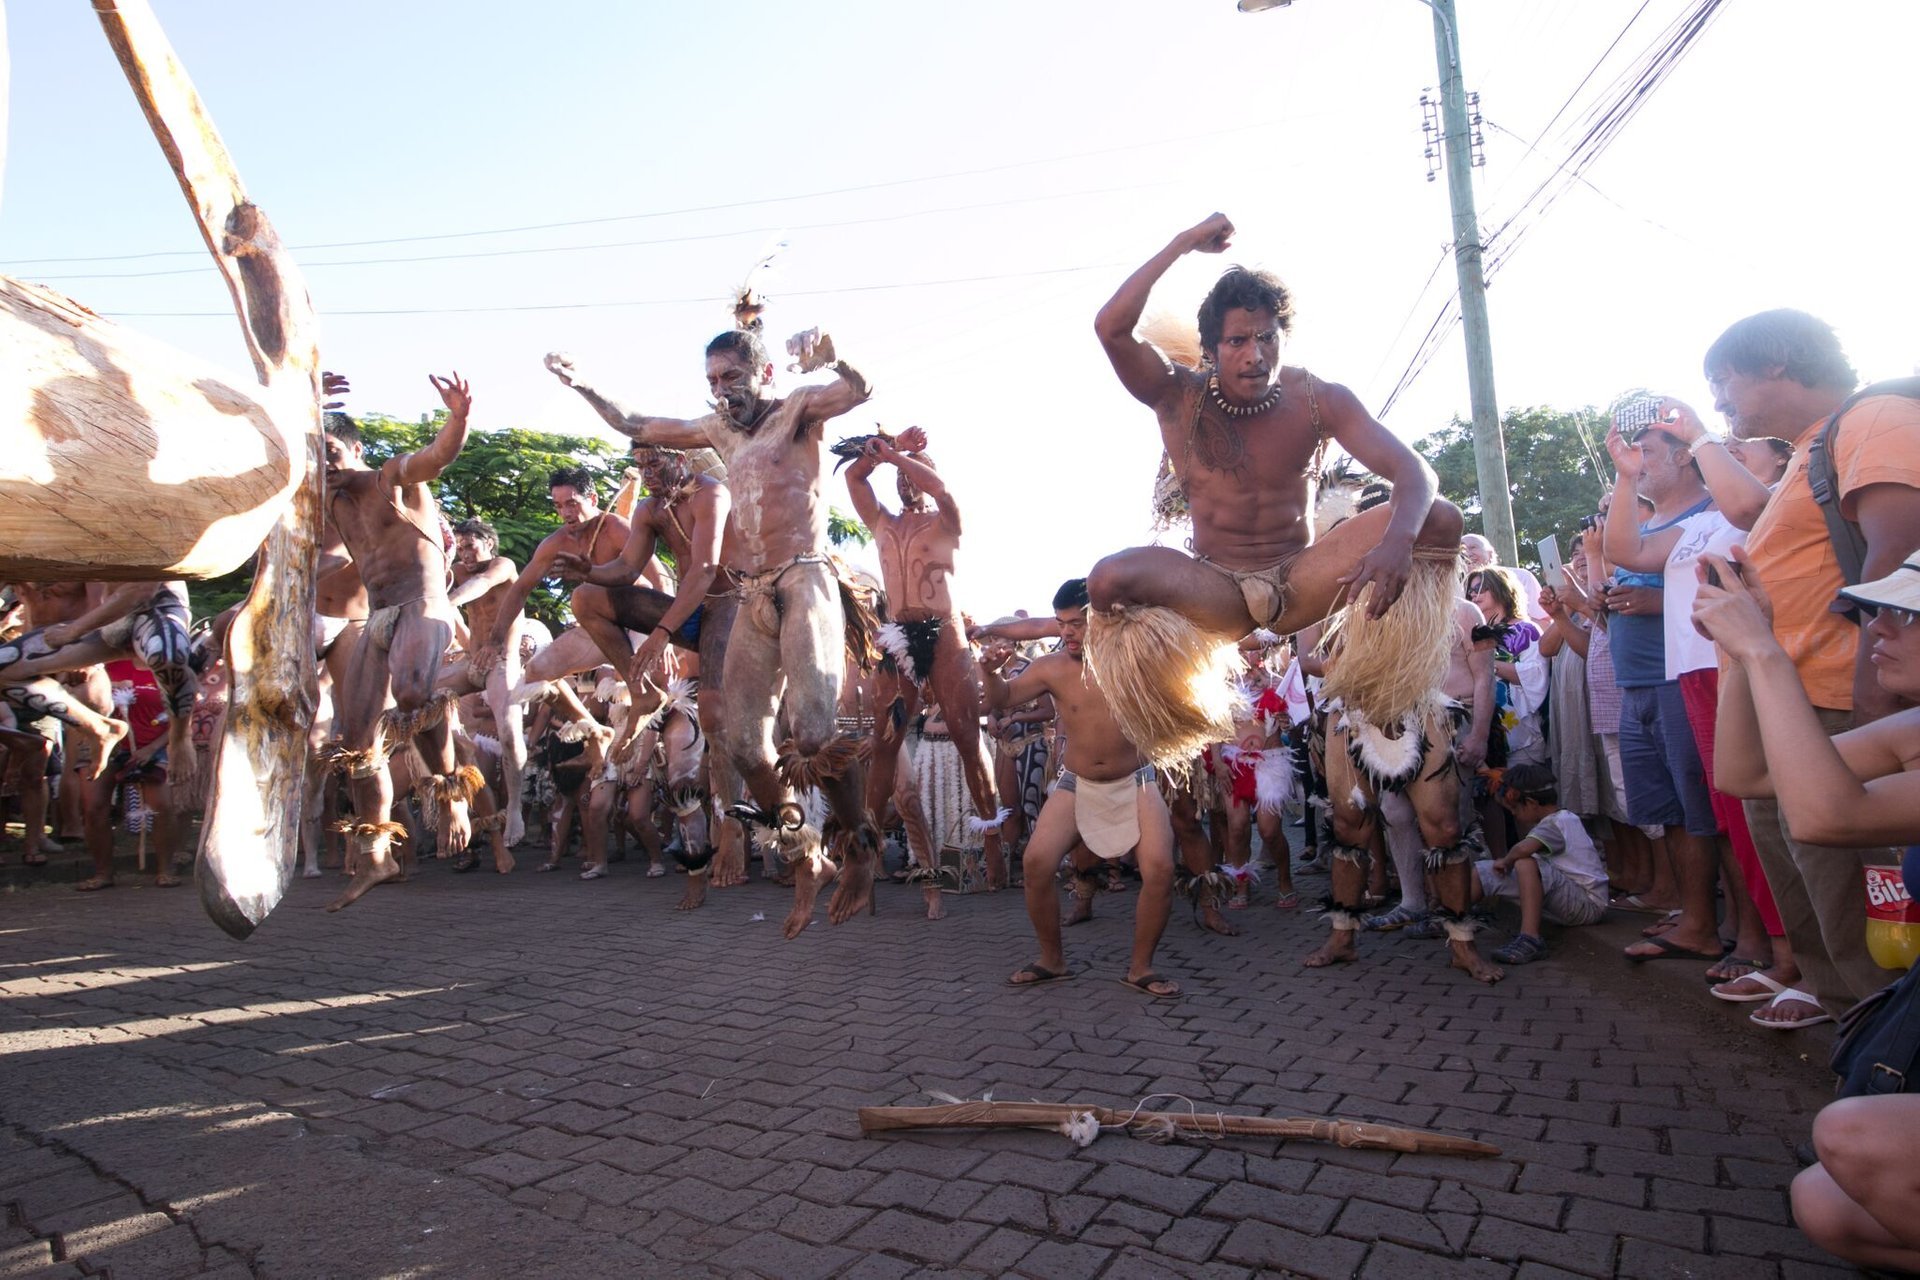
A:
502,857
380,868
312,871
456,829
996,868
854,893
695,895
1213,922
730,863
1469,962
1081,913
103,746
1339,949
936,904
516,830
807,884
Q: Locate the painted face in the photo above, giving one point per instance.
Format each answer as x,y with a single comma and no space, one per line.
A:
1248,357
1896,651
659,471
573,505
909,491
734,384
1073,631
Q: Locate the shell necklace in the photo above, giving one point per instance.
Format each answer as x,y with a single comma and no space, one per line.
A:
1264,403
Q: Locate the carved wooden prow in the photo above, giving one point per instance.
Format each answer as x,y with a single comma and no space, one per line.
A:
251,833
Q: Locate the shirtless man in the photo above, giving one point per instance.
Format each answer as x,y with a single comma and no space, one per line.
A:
925,641
1106,798
389,525
688,512
1439,791
482,577
791,632
1243,439
340,618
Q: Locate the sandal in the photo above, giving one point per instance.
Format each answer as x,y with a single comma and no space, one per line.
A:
1034,975
1739,966
466,862
1769,988
595,872
1152,984
34,858
1398,918
549,866
166,880
1287,902
1666,949
1524,949
93,884
1634,902
1791,995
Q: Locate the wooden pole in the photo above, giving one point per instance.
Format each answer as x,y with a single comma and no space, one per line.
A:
250,839
1205,1124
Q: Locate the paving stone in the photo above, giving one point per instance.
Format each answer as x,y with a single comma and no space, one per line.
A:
1262,1245
1643,1258
1064,1260
917,1236
780,1257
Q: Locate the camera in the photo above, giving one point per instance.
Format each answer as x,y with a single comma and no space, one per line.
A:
1636,417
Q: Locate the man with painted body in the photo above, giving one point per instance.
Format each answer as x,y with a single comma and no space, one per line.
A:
687,511
389,525
482,581
786,653
925,640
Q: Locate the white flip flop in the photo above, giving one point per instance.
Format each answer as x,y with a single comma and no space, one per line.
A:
1803,997
1773,988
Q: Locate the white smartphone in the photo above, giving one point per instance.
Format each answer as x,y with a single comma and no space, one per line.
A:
1552,568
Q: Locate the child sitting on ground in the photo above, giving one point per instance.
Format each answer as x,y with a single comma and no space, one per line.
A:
1555,873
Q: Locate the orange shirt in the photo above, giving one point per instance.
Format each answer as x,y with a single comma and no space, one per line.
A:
1878,443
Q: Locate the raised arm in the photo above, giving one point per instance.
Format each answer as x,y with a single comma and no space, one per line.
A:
860,488
539,565
1736,491
1622,540
675,433
428,463
119,601
1020,629
925,479
847,391
1143,371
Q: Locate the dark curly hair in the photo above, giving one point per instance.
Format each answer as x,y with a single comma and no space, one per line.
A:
576,478
1072,595
477,527
744,343
1243,287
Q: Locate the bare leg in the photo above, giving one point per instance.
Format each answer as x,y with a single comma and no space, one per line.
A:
1053,834
1858,1202
1154,854
595,827
509,721
1353,822
1435,793
1196,859
913,817
956,687
42,697
359,705
1273,840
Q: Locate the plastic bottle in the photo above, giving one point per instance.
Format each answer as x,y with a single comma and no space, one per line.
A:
1893,920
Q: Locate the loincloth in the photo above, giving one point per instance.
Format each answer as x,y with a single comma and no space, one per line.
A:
759,592
1264,591
383,622
1107,814
910,646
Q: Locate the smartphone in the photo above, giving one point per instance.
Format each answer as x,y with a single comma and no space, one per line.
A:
1552,568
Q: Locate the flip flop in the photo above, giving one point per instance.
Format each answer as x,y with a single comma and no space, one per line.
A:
1747,966
1634,902
1773,988
1035,975
1663,949
93,884
166,880
1791,994
1287,902
1146,982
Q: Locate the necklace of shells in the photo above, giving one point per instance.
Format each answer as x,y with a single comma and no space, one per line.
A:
1264,403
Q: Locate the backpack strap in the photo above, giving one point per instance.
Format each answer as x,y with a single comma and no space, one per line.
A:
1823,480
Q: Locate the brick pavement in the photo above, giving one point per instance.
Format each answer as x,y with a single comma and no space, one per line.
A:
536,1076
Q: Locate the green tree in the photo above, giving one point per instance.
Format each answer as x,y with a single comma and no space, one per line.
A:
1551,474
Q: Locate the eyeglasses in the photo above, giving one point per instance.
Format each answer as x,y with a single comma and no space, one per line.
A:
1901,618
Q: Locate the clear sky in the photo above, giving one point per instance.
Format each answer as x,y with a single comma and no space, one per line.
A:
960,186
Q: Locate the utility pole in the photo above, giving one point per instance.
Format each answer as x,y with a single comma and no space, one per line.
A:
1489,446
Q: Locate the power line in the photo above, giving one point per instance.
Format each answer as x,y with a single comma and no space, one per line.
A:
711,208
634,244
645,302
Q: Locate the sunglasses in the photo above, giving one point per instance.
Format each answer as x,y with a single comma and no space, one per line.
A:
1902,618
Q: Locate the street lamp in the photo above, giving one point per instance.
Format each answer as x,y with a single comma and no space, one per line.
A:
1489,448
